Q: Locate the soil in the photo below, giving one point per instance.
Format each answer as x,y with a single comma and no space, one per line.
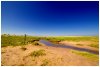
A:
15,56
82,44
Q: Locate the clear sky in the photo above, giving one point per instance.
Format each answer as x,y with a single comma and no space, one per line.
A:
50,18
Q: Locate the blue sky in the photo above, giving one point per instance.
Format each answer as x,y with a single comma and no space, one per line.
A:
50,18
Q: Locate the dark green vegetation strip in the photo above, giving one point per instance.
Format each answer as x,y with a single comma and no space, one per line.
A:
15,40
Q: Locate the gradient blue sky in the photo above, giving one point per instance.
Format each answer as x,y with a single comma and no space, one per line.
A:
50,18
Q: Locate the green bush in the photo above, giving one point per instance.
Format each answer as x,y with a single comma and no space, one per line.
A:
38,53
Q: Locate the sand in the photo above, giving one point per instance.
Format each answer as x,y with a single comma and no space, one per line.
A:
55,56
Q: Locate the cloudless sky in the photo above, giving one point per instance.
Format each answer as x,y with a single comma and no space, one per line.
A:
58,18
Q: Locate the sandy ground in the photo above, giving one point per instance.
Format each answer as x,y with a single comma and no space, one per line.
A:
15,56
84,44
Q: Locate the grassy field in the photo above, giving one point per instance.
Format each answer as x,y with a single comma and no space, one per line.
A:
31,52
15,40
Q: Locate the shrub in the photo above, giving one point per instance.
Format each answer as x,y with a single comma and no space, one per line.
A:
36,43
38,53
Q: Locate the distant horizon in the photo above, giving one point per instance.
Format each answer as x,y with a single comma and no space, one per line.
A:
50,18
50,35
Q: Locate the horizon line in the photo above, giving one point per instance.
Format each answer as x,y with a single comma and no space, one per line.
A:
51,35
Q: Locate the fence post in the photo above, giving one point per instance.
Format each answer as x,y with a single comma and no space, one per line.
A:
25,40
9,41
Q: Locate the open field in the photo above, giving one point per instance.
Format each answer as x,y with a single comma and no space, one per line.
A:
31,52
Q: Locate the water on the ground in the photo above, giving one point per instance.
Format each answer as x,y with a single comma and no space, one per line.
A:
67,46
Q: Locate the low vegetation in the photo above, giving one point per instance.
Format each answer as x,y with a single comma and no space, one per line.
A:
57,56
86,54
81,38
38,53
94,45
15,40
36,43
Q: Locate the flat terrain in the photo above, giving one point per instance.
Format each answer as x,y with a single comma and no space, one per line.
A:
54,56
38,54
80,44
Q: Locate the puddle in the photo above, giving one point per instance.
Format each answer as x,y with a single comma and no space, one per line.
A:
67,46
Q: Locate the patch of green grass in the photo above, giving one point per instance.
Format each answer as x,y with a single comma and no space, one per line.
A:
45,62
94,45
38,53
81,38
86,54
73,38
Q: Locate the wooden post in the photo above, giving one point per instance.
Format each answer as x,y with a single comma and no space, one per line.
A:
25,40
9,39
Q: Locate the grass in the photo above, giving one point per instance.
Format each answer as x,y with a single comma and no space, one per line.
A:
38,53
81,38
87,55
16,40
74,39
94,45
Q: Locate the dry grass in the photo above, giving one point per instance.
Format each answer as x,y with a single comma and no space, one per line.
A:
87,54
38,53
94,45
